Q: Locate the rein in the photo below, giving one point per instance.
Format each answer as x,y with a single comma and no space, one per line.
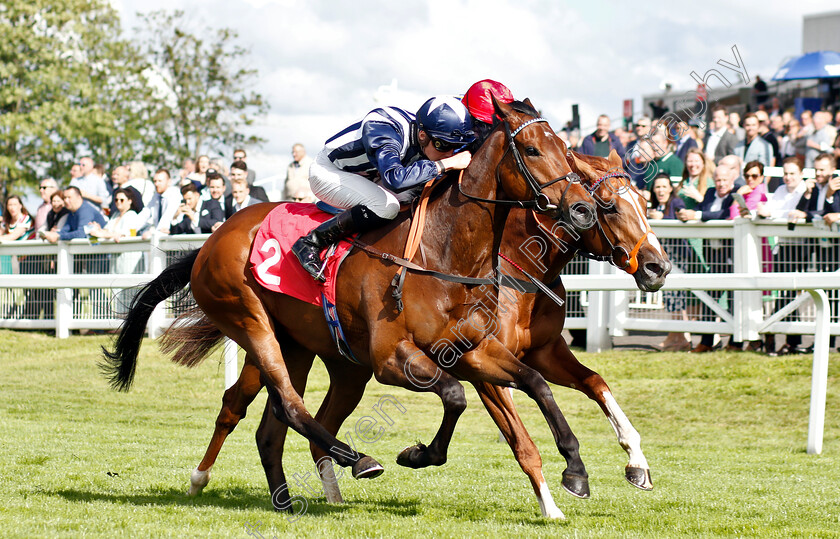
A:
540,202
619,257
500,279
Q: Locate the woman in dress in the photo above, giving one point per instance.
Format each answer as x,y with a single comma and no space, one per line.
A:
697,177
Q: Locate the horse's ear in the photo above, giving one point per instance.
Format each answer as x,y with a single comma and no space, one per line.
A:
614,159
527,101
502,109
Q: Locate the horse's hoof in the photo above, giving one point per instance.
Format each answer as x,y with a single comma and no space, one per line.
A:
576,485
367,468
638,477
417,456
198,480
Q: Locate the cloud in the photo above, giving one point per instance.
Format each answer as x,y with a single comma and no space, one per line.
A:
321,63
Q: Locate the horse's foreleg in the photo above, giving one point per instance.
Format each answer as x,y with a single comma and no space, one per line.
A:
492,362
500,406
410,368
347,386
235,403
559,366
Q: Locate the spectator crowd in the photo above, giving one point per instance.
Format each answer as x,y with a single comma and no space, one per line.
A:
686,174
124,202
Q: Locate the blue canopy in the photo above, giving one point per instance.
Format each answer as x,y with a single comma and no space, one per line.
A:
814,65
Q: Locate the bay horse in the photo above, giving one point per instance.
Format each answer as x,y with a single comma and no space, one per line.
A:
522,163
530,327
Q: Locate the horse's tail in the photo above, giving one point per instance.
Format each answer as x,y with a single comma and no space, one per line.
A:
191,338
119,366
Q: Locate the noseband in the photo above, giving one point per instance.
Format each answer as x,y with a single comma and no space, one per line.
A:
619,256
540,202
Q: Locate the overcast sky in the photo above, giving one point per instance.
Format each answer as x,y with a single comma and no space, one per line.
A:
322,64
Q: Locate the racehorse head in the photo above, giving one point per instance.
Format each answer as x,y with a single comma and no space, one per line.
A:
622,235
535,168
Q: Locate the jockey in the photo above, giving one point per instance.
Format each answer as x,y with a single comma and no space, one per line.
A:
480,104
369,168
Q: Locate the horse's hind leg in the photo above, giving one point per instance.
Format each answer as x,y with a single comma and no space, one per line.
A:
235,404
559,366
347,386
499,404
271,434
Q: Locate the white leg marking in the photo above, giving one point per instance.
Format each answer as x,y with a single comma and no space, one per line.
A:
199,480
628,437
331,490
547,506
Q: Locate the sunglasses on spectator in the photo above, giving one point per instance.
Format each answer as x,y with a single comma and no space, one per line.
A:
121,199
442,146
748,176
239,157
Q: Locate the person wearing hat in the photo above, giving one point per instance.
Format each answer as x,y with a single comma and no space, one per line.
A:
370,167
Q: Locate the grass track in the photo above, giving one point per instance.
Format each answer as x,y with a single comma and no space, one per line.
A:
724,434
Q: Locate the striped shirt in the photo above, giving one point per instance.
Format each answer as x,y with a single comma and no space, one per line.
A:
383,143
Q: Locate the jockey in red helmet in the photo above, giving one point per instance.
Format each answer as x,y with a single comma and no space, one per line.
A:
478,101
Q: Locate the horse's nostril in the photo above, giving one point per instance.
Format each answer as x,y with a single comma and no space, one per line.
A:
583,216
654,269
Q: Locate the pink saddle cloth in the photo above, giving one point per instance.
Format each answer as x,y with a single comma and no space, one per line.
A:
274,265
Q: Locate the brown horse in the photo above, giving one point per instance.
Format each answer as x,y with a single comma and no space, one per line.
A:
522,161
530,327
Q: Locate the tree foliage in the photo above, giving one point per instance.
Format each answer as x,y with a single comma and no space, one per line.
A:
71,84
60,60
204,88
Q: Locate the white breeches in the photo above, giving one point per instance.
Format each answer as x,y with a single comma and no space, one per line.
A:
345,189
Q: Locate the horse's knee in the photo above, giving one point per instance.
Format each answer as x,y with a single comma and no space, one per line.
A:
227,419
454,398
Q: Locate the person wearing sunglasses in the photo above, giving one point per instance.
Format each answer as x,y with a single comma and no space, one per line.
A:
370,167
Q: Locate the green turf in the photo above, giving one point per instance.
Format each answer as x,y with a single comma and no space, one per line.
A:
724,434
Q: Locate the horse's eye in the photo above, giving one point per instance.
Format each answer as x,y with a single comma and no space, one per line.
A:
532,152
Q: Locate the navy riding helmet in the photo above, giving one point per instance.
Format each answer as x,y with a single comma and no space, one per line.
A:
446,118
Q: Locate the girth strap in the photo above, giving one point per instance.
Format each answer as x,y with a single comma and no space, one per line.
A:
415,233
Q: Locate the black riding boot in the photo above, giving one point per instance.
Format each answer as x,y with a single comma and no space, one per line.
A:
308,248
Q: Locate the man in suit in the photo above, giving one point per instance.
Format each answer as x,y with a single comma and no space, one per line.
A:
685,142
161,209
719,141
239,198
195,215
819,191
240,170
717,202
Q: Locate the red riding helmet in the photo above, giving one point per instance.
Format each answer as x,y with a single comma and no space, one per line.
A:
478,101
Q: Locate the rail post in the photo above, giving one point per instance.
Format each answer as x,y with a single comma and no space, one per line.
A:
63,296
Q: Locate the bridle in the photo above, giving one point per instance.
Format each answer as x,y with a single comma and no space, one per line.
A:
540,201
619,257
